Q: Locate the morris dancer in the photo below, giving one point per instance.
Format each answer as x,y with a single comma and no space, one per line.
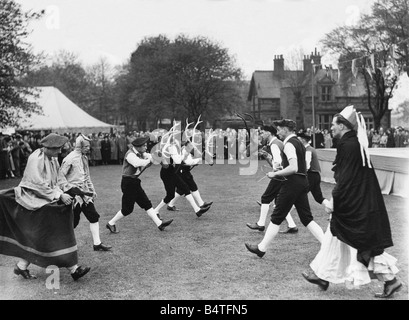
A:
273,157
293,191
171,158
135,162
187,163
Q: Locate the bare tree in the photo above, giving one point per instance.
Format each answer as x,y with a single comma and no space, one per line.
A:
379,38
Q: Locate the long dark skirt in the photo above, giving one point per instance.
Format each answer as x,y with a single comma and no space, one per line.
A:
43,237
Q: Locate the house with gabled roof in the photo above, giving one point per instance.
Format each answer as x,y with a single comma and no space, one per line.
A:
299,94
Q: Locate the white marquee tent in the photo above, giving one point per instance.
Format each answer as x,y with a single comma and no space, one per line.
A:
61,115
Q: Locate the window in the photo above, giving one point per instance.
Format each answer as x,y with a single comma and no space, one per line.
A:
326,93
369,123
324,121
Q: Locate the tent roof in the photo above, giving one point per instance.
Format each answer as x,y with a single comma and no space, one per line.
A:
59,113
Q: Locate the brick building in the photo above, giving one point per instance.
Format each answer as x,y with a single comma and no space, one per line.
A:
283,93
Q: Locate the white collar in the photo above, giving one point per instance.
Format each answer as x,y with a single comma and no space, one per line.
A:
272,140
288,137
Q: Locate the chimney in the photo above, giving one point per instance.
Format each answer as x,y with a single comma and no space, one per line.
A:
316,57
278,65
307,64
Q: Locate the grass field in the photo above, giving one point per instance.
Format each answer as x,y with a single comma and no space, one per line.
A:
197,258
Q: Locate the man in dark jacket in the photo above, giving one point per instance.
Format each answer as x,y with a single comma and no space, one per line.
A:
352,251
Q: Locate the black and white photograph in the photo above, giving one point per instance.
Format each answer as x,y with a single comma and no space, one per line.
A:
204,158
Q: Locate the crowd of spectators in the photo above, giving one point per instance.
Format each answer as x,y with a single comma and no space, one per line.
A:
110,147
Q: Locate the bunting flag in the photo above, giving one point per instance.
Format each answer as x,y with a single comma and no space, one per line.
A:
372,59
354,68
369,70
389,55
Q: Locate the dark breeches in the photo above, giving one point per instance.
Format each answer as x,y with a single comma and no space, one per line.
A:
132,192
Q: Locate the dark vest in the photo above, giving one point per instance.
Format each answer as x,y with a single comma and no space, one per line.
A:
300,152
314,165
129,170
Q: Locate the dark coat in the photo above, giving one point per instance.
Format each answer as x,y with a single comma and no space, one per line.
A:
360,218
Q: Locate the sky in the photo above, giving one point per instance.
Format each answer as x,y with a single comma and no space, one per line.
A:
252,30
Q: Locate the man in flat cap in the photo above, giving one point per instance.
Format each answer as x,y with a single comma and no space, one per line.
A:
37,216
352,251
74,178
135,162
293,191
272,154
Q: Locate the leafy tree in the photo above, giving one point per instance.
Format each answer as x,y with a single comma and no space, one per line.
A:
16,59
183,78
101,90
66,73
375,34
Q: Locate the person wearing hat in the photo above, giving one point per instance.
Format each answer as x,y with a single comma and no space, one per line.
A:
353,249
186,186
42,216
313,169
293,191
74,175
272,154
173,180
136,161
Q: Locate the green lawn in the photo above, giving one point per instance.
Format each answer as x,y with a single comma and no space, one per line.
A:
197,258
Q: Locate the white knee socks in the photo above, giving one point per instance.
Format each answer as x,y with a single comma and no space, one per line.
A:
289,218
270,234
263,214
192,202
73,268
154,216
160,206
172,202
94,227
116,218
197,197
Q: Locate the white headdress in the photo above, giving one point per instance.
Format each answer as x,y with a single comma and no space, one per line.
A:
358,123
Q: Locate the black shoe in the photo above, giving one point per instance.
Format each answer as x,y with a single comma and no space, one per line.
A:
254,249
290,230
164,224
172,208
24,273
312,278
80,272
255,226
201,211
259,203
112,228
206,204
390,287
102,247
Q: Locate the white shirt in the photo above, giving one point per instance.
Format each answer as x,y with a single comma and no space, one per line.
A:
134,160
289,148
275,151
308,157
